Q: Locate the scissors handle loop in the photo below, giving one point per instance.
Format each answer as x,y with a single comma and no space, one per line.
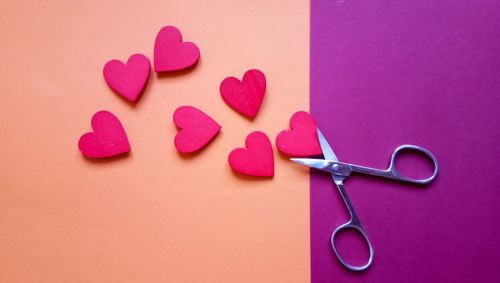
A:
395,173
352,225
392,172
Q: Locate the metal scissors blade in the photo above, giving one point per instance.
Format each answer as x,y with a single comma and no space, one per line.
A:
332,167
329,155
320,164
341,170
328,165
325,147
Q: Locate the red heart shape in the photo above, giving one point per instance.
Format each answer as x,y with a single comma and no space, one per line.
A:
171,54
197,129
245,96
108,138
302,139
257,159
128,79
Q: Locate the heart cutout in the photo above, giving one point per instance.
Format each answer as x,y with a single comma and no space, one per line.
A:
108,138
197,129
128,79
302,139
245,96
170,53
257,159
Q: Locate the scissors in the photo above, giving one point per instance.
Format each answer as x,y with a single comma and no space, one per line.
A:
341,170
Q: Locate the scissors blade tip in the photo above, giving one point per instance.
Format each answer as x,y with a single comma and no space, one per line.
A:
320,135
314,163
325,147
298,160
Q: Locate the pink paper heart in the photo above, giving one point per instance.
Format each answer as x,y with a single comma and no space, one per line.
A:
257,159
245,96
171,54
128,79
302,139
108,138
197,129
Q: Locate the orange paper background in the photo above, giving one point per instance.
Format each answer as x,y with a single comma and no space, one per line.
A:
154,215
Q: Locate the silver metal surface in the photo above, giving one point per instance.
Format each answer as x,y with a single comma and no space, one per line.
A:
354,222
326,148
339,171
345,169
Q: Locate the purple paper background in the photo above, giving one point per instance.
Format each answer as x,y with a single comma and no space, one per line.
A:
385,73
